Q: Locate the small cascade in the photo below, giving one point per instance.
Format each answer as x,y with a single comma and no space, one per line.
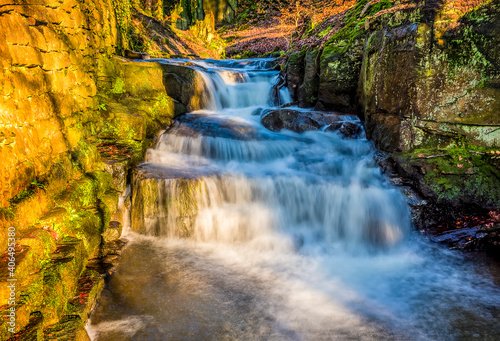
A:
241,232
284,188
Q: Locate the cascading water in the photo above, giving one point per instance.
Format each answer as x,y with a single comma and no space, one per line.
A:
247,234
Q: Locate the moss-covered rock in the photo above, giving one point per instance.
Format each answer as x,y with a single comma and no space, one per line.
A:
164,202
308,89
459,180
295,72
437,80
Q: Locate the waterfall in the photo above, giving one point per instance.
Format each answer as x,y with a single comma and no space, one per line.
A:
242,233
272,190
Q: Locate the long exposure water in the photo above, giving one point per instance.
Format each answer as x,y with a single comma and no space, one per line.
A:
258,235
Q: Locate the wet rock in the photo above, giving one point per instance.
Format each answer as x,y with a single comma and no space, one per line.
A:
209,125
113,232
164,201
185,86
490,242
136,55
295,73
301,121
348,129
89,286
118,170
275,90
107,259
471,239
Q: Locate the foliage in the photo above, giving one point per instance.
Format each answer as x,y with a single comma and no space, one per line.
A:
119,86
35,184
6,214
123,19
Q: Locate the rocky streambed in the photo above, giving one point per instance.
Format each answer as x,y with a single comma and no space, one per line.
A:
254,221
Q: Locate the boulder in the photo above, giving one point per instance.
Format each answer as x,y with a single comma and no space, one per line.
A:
301,121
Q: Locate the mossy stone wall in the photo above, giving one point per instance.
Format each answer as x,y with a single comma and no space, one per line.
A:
74,119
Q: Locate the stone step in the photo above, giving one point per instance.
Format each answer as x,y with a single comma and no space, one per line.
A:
162,194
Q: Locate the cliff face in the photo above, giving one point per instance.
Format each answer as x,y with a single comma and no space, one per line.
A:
424,75
48,101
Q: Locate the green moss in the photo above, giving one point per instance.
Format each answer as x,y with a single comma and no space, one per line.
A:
7,214
85,156
248,54
87,226
54,294
26,194
123,19
354,25
460,172
118,87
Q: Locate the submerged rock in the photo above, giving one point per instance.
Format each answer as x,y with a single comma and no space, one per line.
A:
471,239
348,129
194,125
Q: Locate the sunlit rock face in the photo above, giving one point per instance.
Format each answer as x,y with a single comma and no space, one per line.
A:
71,113
48,82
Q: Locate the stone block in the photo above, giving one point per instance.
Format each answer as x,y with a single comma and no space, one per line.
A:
25,55
56,61
15,29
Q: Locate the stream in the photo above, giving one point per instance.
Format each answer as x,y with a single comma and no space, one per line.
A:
241,233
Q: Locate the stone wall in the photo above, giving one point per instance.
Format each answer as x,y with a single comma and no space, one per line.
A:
74,119
49,50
